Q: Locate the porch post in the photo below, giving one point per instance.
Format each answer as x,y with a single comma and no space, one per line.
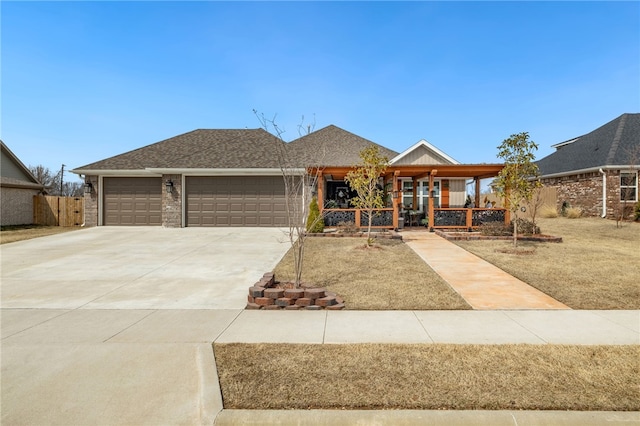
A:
430,201
395,202
414,202
477,192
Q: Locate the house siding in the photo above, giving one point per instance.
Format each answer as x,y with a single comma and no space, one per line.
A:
17,205
585,191
457,192
91,202
172,203
422,155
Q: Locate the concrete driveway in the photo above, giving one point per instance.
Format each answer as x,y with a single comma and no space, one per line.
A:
114,325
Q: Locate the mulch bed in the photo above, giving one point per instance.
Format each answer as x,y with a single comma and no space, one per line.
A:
473,236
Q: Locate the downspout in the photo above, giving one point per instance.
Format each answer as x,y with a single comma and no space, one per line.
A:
604,193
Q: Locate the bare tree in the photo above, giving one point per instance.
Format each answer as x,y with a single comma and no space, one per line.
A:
46,177
52,182
300,176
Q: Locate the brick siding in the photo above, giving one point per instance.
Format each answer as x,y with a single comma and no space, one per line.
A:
585,191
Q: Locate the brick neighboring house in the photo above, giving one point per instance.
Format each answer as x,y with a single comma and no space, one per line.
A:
597,172
17,188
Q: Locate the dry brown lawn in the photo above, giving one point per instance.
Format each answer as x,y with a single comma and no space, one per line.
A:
597,266
491,377
10,234
389,276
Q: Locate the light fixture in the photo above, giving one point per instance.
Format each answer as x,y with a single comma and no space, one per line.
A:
168,186
88,187
395,195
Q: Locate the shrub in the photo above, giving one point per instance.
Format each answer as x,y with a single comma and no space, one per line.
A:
526,227
495,229
549,211
573,212
347,227
315,223
637,212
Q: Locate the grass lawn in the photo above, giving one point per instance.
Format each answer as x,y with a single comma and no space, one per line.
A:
390,276
10,234
597,266
386,376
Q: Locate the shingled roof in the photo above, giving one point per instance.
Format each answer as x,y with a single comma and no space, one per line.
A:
332,146
200,149
240,149
609,145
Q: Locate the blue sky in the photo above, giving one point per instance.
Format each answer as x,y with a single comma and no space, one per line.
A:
82,81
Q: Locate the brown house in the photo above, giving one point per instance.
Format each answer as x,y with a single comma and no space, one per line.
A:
597,172
233,178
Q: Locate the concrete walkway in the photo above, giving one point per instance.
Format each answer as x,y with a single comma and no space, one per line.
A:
481,284
474,327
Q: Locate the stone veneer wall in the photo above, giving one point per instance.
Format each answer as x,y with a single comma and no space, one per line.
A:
585,191
172,203
91,202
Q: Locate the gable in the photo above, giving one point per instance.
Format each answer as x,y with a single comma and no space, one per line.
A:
423,153
13,170
332,146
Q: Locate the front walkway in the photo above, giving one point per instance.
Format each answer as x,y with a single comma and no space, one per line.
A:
481,284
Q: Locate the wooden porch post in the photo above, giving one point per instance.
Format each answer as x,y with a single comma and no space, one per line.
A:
414,202
477,192
395,201
430,199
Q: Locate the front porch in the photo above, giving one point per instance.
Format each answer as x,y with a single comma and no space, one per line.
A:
420,195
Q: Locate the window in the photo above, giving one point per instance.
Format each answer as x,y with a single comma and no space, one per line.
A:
629,186
422,197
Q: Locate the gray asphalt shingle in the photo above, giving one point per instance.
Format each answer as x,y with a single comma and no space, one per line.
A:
609,145
242,148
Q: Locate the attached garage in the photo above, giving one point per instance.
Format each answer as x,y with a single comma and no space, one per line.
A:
235,201
133,201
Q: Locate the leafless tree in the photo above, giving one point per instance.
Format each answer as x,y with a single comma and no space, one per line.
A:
51,182
301,174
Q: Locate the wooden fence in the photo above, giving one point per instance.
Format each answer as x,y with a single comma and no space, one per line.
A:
58,211
545,196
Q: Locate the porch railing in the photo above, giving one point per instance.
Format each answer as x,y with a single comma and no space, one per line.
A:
466,218
443,218
382,218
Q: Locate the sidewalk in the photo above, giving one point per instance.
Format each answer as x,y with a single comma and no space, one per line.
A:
461,327
458,327
481,284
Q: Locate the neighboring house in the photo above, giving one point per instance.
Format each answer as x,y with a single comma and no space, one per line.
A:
234,178
17,188
597,172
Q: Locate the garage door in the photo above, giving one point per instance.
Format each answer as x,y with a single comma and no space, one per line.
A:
235,201
132,201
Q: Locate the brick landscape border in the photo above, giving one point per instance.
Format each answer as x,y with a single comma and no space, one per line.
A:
266,295
472,236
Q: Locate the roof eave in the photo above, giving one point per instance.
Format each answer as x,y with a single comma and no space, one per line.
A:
151,171
589,170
